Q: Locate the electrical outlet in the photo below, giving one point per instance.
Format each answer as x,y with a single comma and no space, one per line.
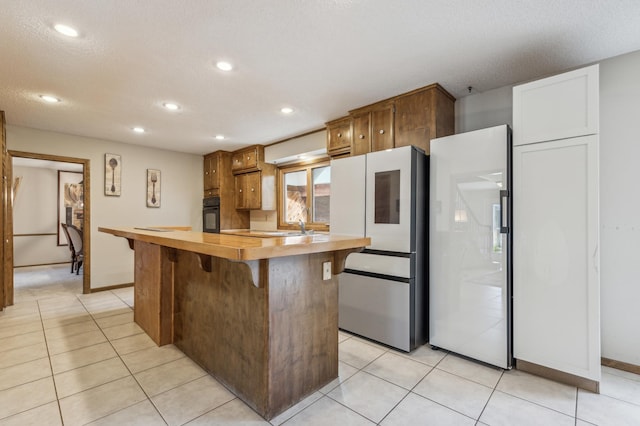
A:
326,271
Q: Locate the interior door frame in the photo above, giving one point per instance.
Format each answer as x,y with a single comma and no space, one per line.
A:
86,223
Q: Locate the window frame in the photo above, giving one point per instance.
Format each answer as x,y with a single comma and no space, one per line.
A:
308,167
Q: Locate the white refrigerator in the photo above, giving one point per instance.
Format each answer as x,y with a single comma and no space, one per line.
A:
382,291
470,245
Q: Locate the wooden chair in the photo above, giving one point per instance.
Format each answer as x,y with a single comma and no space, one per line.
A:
74,237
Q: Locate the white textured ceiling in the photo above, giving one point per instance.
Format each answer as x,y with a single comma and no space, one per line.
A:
321,57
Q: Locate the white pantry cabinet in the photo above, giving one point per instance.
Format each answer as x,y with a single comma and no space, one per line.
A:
558,107
556,281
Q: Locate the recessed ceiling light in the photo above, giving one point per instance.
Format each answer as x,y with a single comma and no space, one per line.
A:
171,106
50,99
66,30
286,110
224,66
220,137
139,129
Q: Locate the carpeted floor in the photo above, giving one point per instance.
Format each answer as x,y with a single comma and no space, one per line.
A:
42,282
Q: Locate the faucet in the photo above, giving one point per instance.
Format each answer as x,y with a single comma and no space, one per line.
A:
302,230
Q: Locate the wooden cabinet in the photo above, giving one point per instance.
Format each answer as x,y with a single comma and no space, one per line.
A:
413,118
248,191
214,165
218,182
422,115
339,136
254,180
256,190
382,126
556,281
247,159
361,143
372,128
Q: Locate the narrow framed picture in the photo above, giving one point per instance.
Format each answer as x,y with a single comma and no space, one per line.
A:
112,175
153,188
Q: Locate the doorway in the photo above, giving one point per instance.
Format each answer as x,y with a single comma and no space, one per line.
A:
81,217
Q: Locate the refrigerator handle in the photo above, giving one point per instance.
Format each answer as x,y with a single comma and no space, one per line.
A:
503,195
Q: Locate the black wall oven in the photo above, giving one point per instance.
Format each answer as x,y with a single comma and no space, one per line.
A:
211,215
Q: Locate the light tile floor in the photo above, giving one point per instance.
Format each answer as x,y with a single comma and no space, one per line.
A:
73,359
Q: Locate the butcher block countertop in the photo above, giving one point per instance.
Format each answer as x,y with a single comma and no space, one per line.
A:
237,247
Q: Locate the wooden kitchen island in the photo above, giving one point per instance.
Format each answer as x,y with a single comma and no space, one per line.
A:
254,312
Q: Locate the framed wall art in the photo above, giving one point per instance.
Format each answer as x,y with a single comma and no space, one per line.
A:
153,188
112,175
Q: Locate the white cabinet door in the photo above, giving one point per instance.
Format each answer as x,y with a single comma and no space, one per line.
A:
556,285
558,107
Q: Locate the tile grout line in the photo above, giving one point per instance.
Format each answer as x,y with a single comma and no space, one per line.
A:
53,380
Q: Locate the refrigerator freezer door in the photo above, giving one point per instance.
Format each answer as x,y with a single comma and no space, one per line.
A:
469,294
348,196
376,308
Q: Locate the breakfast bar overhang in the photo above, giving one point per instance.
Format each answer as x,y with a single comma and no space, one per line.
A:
255,313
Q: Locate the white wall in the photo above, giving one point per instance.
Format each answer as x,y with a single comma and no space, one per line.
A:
486,109
620,207
619,201
35,212
111,258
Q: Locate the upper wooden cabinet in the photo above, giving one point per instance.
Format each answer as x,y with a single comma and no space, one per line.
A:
361,143
413,118
372,128
422,115
247,159
256,190
213,164
254,181
339,136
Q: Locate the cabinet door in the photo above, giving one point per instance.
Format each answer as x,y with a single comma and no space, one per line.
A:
237,161
339,136
558,107
556,289
413,120
253,190
211,172
361,134
382,128
240,191
250,158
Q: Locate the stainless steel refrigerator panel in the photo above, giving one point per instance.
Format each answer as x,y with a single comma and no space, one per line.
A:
348,196
376,308
469,257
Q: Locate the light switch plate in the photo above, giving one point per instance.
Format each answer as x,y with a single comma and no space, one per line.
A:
326,271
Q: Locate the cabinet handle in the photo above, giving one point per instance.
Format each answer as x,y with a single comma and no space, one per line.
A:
241,190
248,158
206,173
382,131
361,136
213,171
339,134
252,189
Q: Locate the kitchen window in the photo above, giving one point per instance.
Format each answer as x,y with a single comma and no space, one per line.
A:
305,194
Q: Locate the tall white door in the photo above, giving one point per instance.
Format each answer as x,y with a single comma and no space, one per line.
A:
556,281
468,254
